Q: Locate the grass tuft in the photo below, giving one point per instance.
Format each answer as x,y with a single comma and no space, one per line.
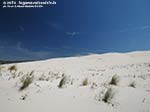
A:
12,68
115,80
26,81
85,82
108,96
62,82
132,84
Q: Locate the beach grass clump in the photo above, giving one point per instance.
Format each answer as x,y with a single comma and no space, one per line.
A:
114,80
62,82
26,81
108,95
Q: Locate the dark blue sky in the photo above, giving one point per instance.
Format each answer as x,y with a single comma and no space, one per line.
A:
75,27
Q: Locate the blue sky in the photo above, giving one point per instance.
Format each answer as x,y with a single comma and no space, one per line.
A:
75,27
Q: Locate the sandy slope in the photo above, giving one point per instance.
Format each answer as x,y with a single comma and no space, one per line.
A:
44,94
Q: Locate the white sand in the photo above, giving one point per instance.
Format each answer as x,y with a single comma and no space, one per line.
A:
45,96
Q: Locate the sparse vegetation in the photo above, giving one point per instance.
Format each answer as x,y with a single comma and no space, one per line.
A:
12,68
72,82
23,97
0,67
85,82
62,82
13,75
115,79
44,78
132,84
94,85
0,70
26,81
108,95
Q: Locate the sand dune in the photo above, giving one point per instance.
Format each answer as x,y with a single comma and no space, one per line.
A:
86,82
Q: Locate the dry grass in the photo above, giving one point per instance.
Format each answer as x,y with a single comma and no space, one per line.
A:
0,67
108,96
44,78
115,80
132,84
12,68
0,70
62,82
85,82
26,81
